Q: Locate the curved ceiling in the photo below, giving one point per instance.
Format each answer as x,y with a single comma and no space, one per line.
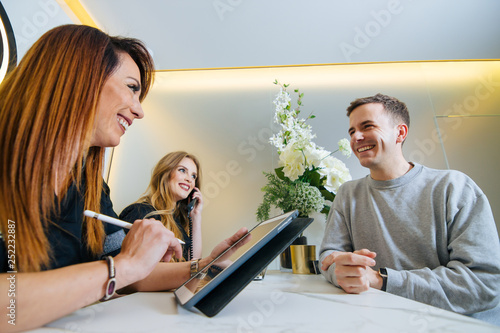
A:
236,33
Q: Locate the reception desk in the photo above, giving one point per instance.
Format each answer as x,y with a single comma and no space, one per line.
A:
281,302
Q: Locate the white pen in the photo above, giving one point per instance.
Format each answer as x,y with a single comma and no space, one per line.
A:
112,220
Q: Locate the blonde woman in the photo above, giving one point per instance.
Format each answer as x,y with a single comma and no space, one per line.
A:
174,198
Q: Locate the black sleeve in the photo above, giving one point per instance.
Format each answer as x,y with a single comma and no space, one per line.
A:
137,211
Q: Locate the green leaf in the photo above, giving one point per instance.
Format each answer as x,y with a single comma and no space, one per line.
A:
280,173
314,179
325,210
327,194
312,116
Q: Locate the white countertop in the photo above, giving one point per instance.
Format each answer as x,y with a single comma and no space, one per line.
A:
282,302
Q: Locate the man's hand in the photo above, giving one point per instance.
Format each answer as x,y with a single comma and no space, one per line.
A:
353,270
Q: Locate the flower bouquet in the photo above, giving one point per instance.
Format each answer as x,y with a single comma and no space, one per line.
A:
308,176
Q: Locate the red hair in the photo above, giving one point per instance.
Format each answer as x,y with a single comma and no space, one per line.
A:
47,113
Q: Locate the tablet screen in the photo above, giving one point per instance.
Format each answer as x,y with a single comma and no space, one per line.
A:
214,273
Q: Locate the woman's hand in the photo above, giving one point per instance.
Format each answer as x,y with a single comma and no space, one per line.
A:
196,194
225,244
147,243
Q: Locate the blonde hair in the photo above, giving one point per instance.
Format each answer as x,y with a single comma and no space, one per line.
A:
47,113
158,192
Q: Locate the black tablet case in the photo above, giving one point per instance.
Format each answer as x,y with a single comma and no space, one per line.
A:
221,295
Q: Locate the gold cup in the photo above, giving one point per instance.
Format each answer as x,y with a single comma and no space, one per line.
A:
302,257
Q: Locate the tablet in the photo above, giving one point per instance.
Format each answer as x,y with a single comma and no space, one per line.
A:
215,284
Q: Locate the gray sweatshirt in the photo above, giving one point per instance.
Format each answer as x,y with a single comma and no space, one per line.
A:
434,232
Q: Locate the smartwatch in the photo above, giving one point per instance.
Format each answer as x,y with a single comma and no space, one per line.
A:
383,273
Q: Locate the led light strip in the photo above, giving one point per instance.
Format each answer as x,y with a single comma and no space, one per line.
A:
77,12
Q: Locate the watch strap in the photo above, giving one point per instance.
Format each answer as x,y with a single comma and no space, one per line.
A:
111,284
383,273
195,269
194,266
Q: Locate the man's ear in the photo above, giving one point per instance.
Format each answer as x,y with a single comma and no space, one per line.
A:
402,133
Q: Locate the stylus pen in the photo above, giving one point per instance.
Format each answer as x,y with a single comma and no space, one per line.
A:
112,220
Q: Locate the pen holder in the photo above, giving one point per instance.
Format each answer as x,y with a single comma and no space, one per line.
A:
303,257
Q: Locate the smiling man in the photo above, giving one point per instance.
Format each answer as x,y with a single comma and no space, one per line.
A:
425,234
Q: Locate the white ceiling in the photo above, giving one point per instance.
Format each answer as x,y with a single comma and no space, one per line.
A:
238,33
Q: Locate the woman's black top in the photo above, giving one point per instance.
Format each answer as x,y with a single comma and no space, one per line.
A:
137,211
65,232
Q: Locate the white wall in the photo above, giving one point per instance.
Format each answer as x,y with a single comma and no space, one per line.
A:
224,117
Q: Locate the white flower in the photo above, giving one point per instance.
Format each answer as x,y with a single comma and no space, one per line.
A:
345,147
307,199
277,141
282,99
314,155
298,154
292,161
302,135
336,173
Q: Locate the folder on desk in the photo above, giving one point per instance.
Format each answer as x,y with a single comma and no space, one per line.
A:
220,281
